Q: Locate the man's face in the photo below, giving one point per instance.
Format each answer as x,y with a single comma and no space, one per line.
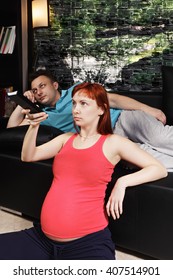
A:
45,91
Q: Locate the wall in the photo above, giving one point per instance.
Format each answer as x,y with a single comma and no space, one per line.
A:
24,19
121,44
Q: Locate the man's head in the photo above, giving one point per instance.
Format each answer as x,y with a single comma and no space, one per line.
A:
45,87
42,72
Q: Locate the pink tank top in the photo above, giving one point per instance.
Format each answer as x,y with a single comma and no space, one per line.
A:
74,205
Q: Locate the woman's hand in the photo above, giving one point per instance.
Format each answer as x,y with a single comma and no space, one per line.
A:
34,119
114,205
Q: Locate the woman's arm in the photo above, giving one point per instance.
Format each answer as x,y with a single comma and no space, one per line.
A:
31,152
127,103
150,170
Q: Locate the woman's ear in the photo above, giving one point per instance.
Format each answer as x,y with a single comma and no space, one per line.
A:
103,109
101,112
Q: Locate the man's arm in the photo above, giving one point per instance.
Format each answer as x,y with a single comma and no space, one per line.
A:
127,103
17,117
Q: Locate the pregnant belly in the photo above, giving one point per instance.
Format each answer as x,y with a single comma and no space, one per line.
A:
71,216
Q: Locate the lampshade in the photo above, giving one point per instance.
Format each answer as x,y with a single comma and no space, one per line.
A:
40,13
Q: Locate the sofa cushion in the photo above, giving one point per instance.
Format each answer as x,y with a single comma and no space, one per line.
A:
3,122
12,138
167,88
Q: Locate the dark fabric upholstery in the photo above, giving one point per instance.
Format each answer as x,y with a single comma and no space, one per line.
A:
3,122
146,225
12,138
24,185
167,78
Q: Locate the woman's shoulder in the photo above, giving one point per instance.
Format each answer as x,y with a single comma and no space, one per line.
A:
67,135
115,141
115,137
62,139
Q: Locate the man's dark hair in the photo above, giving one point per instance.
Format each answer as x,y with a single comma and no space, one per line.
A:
42,72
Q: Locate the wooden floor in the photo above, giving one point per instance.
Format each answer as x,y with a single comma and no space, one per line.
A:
12,222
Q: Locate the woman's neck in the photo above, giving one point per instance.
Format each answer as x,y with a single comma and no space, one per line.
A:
89,136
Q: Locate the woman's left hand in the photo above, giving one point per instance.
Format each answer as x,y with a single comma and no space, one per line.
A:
114,205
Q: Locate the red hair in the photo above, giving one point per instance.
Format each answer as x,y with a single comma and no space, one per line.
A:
98,93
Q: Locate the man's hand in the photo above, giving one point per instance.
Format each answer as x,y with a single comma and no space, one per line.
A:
128,103
156,113
29,94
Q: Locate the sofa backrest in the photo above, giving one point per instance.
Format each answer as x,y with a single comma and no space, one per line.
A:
11,139
151,99
167,80
163,100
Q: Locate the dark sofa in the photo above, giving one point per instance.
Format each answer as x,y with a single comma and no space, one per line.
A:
146,225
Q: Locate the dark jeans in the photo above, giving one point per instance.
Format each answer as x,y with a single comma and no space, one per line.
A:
32,244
